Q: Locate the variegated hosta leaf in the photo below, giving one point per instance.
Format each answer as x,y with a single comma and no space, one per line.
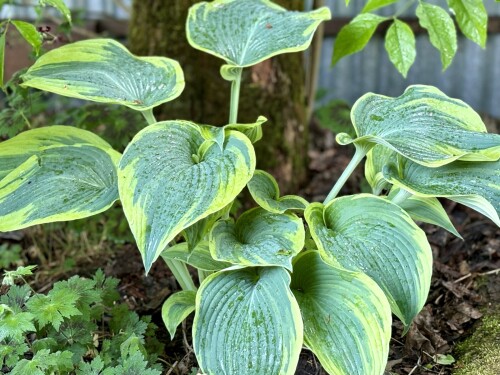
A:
176,308
347,318
199,257
372,235
252,131
171,176
195,233
258,238
247,322
423,125
55,173
265,191
428,210
476,185
102,70
376,159
245,32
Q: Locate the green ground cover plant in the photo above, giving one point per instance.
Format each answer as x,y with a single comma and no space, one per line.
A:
288,272
77,319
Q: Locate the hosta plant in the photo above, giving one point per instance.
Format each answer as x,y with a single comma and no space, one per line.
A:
287,273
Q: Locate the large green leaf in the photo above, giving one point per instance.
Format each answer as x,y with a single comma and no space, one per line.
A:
176,308
441,29
173,174
400,46
104,71
199,257
53,174
354,36
472,19
428,210
423,125
245,32
247,322
60,6
372,235
258,238
347,319
376,4
265,191
30,34
476,185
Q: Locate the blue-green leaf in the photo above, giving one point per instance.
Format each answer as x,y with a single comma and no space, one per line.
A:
354,36
476,185
198,257
258,238
104,71
56,173
423,125
176,308
265,191
428,210
171,176
246,32
372,235
347,319
441,29
247,322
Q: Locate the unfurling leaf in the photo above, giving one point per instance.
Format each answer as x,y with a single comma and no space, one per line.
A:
258,238
265,191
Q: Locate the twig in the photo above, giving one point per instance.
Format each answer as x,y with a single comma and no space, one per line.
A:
462,278
492,272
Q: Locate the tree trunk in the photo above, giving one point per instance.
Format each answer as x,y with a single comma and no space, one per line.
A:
273,88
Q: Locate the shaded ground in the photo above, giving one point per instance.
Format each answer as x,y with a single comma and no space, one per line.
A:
465,284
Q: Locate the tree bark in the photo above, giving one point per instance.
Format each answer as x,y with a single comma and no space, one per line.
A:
273,88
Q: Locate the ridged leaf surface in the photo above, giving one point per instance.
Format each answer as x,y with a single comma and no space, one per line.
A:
258,238
104,71
423,125
55,173
247,322
347,319
245,32
173,174
372,235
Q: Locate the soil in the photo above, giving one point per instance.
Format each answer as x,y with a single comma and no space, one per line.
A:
465,283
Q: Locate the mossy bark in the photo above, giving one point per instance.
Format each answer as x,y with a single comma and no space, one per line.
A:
274,88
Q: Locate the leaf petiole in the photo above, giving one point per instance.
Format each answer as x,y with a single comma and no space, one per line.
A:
235,96
181,274
361,151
